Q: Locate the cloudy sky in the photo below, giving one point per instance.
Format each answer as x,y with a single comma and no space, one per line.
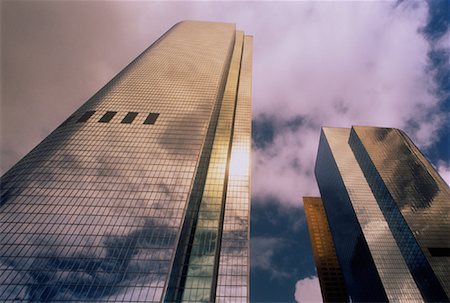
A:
315,63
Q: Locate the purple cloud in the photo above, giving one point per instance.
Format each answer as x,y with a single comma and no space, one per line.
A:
341,65
324,63
308,290
333,64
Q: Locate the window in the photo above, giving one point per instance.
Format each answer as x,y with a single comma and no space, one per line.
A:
86,116
439,251
67,121
107,117
129,117
151,118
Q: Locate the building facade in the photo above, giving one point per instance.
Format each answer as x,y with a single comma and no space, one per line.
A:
142,195
388,212
331,281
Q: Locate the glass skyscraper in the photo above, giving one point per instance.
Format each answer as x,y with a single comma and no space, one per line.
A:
332,284
143,193
388,212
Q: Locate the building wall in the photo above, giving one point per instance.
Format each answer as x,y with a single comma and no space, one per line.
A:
95,211
376,238
361,277
414,200
332,283
234,266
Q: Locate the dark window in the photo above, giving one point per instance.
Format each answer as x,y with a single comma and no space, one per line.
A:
107,117
151,118
439,251
67,121
129,117
86,116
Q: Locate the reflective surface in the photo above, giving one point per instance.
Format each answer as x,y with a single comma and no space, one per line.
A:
390,267
202,268
361,278
329,272
415,202
234,263
95,211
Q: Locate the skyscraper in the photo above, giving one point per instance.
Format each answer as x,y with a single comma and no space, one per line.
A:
388,212
143,193
332,284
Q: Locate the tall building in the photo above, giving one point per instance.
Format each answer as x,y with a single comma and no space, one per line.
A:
332,284
143,193
388,212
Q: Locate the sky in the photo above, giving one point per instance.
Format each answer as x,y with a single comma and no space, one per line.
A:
314,64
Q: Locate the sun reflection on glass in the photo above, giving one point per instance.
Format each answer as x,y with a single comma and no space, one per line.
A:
239,163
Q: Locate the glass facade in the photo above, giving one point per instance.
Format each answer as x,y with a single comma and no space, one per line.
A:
234,266
401,206
135,197
329,272
413,189
362,281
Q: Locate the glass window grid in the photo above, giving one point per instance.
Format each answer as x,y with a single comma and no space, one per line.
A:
158,142
200,281
413,198
390,265
329,272
233,270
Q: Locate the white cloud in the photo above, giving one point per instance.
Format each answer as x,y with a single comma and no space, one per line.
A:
444,170
340,65
308,290
285,169
334,64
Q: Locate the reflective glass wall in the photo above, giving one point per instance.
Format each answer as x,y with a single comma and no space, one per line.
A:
329,272
357,264
401,206
96,211
412,202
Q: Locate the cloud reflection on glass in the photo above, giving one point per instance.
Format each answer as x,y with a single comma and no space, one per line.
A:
94,212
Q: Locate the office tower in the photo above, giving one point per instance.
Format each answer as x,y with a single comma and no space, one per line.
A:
388,212
331,281
143,193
